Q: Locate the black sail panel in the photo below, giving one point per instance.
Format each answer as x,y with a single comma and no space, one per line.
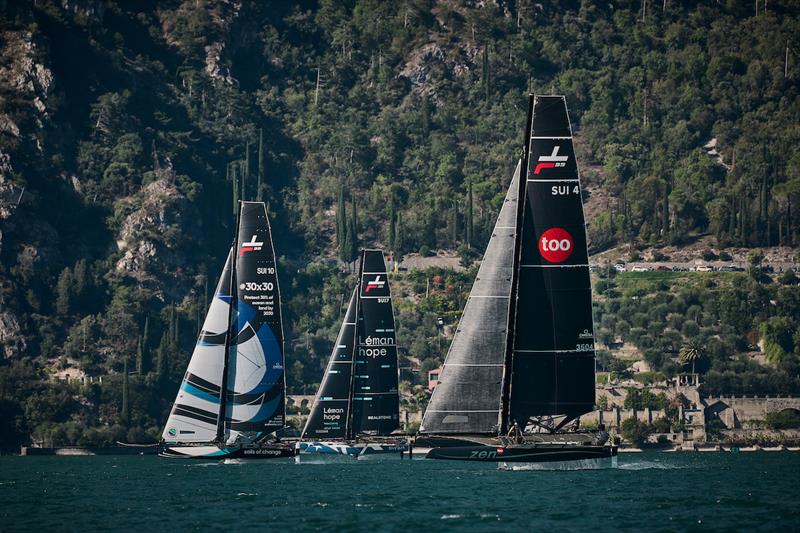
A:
256,380
376,404
553,345
328,417
467,398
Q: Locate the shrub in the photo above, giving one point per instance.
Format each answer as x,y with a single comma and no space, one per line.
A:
784,419
634,431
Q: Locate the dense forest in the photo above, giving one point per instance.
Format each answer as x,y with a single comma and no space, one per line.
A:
128,131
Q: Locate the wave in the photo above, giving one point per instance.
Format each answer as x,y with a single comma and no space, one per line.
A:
583,464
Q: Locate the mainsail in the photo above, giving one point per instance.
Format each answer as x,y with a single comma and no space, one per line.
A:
524,347
195,413
255,400
331,409
467,398
358,394
376,404
552,363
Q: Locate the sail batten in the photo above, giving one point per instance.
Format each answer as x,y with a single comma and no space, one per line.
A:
467,398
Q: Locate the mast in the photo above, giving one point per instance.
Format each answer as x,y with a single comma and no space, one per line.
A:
348,434
512,303
223,390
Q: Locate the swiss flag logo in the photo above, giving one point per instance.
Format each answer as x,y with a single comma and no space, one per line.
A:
556,245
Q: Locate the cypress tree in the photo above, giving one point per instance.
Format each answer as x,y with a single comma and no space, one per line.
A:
177,330
139,356
392,224
261,163
64,291
485,72
146,344
235,185
399,237
347,247
454,222
162,356
246,173
341,226
342,212
81,279
126,410
354,244
426,117
469,227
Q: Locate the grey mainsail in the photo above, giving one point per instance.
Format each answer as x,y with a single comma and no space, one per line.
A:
467,398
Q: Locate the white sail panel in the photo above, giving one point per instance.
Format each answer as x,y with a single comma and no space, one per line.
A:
195,411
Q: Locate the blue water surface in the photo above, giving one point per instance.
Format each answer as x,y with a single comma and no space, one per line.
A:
653,491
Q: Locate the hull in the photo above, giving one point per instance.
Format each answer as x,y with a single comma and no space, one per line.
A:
267,451
523,453
353,449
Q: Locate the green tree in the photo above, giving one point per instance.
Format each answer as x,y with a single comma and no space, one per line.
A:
125,413
64,292
634,431
778,335
262,176
469,225
691,353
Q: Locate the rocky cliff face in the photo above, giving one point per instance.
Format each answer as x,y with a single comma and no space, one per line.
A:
152,235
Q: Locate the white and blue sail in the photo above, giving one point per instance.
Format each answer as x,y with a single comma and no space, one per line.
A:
244,318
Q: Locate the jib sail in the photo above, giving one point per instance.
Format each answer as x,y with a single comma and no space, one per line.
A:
195,413
375,373
255,402
467,397
552,362
331,409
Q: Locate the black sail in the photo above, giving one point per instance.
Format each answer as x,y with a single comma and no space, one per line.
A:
552,362
256,381
375,374
467,398
331,409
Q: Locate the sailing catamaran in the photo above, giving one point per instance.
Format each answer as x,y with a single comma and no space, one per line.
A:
232,398
357,405
521,364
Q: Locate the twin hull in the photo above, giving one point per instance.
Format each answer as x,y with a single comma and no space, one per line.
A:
228,452
530,453
355,449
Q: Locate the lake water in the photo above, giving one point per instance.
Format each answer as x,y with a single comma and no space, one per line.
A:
656,491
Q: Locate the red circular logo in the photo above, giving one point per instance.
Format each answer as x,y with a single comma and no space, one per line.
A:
556,245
